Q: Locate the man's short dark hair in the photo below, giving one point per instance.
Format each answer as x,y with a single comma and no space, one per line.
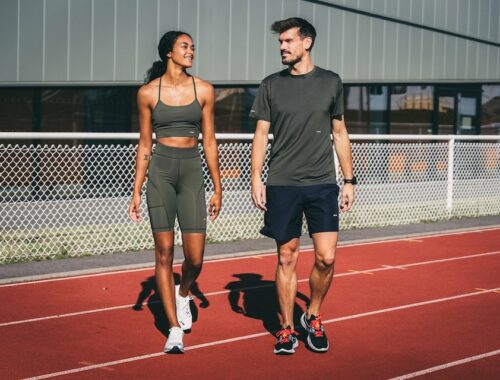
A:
305,28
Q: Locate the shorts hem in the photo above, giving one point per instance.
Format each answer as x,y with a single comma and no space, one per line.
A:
280,239
326,230
162,229
193,230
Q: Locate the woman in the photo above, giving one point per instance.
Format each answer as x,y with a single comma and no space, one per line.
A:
177,107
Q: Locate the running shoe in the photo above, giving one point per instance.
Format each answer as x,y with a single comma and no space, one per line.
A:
316,337
174,343
287,342
182,304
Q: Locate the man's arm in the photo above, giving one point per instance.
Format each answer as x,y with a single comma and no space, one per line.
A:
259,148
343,149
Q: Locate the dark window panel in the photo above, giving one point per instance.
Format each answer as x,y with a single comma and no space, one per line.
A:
232,108
356,109
411,109
16,109
368,109
490,110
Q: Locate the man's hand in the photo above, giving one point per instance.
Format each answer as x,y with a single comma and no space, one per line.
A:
259,194
347,197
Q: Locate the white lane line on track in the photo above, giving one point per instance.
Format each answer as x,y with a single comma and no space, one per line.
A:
393,267
352,273
257,335
251,254
446,365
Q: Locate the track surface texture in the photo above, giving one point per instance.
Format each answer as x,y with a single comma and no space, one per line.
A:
423,307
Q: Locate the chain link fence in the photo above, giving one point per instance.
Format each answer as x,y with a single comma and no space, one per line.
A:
72,199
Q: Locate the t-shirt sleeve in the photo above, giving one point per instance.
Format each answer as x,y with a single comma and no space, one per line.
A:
260,108
337,107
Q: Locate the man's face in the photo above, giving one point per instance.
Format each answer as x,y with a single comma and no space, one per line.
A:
292,46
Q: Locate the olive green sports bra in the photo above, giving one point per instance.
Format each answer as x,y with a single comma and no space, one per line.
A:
177,121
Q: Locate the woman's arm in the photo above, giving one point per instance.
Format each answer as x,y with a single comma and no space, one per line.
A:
143,150
207,95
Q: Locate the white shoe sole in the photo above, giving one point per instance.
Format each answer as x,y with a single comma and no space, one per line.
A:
174,350
283,351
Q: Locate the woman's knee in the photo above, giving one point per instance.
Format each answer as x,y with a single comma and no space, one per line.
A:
165,255
195,262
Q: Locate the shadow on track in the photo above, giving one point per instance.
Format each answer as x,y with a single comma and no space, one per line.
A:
150,293
256,298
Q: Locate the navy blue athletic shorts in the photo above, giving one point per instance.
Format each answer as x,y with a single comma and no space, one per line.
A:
286,205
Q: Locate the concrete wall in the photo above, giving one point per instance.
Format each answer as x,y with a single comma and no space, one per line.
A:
114,41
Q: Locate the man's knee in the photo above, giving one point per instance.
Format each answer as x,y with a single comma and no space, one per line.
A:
288,256
325,259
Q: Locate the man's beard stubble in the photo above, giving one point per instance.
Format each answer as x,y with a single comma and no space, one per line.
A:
291,61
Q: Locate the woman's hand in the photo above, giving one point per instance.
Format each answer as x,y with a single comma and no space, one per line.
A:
215,205
133,209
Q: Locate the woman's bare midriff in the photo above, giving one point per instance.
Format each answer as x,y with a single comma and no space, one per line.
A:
178,142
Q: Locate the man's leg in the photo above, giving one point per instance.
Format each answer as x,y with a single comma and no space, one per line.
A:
286,289
286,279
319,281
321,276
283,223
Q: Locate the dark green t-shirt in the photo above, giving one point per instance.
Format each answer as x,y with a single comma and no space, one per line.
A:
300,109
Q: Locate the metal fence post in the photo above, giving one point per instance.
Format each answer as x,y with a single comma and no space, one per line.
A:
451,159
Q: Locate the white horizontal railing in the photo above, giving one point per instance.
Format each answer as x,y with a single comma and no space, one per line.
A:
72,198
230,136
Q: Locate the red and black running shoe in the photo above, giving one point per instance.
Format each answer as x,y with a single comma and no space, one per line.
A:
287,342
316,337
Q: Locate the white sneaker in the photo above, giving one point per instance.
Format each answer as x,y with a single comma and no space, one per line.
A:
174,343
184,316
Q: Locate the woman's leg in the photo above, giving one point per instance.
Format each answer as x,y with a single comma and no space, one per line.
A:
161,199
192,214
164,255
193,245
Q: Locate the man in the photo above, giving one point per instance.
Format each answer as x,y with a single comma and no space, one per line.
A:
301,106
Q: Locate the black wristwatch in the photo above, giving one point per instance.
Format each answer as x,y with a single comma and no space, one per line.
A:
352,181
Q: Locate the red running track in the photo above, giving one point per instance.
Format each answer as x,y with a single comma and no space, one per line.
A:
401,307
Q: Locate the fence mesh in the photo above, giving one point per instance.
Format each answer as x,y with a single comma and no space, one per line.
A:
65,201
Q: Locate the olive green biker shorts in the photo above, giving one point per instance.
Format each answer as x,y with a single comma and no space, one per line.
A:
175,188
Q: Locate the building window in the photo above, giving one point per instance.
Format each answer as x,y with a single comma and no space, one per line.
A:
411,109
378,122
372,109
490,110
16,109
366,109
356,109
232,108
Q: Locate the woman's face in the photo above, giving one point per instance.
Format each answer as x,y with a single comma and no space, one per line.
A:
182,52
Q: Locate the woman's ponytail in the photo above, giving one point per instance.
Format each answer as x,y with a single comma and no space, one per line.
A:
156,71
